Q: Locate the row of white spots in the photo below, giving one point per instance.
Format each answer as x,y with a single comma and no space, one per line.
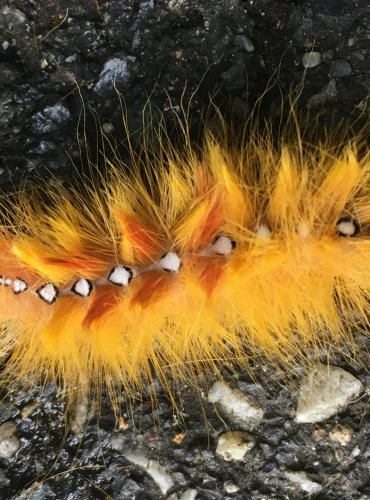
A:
169,262
119,275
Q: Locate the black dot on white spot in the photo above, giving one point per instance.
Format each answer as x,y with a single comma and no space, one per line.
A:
19,286
82,287
170,262
120,276
48,293
347,227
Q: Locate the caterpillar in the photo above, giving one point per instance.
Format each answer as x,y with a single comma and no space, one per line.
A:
172,264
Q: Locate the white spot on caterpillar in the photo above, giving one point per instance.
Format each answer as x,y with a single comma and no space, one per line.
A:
82,287
48,293
223,245
120,276
347,227
263,232
303,230
170,262
5,281
19,286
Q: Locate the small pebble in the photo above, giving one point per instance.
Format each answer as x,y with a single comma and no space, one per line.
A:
9,443
324,392
13,16
244,43
355,452
115,70
108,128
230,487
311,59
234,445
341,434
303,480
340,68
71,59
351,41
236,405
154,468
189,494
51,118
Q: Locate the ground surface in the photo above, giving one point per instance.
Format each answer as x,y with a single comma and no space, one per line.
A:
56,59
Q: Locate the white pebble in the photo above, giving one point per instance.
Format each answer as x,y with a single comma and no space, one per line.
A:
158,473
356,452
9,443
342,434
324,392
231,487
303,480
234,445
236,405
189,494
311,59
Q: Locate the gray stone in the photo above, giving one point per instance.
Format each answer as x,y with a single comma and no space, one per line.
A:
340,68
244,43
51,118
302,479
116,70
311,59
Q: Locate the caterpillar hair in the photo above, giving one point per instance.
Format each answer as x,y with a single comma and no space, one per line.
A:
179,260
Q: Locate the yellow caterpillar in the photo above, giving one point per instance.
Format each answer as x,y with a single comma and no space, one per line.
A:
167,267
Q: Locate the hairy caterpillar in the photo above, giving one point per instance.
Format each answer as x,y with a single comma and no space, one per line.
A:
176,262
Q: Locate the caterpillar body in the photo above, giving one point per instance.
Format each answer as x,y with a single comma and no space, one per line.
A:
166,269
